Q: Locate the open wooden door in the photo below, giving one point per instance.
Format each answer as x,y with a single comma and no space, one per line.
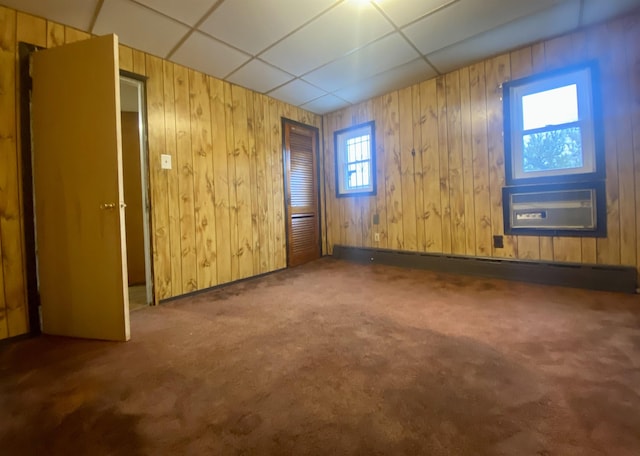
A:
77,161
301,187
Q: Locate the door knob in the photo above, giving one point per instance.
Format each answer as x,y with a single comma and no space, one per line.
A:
106,206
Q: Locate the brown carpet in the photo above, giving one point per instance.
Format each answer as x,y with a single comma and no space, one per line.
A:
334,358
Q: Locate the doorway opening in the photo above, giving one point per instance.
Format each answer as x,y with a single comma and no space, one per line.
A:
136,166
136,190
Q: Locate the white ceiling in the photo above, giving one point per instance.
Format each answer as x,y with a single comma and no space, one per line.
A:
325,54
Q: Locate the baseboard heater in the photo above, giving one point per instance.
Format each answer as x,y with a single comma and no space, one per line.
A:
576,275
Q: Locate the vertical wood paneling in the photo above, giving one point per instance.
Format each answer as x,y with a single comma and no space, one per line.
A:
244,248
269,211
173,176
139,62
461,150
7,57
259,191
407,170
380,200
393,169
71,35
256,248
454,153
184,168
322,185
347,235
481,195
443,151
418,167
219,135
231,179
365,113
125,58
521,66
623,104
31,29
430,167
277,215
13,319
203,179
497,72
239,197
329,185
632,46
55,34
608,249
467,163
158,180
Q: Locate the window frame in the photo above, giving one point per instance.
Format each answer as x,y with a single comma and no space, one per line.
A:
340,137
585,76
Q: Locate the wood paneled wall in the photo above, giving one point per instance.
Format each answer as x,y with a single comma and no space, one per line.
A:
446,197
217,216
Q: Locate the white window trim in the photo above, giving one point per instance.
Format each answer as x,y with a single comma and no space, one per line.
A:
583,79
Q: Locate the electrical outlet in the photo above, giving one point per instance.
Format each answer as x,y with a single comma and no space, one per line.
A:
376,237
165,161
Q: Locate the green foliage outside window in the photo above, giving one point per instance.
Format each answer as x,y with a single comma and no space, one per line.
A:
553,149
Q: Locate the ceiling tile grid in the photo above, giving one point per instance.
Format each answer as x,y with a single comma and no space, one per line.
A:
186,11
377,57
326,54
260,76
139,27
76,13
332,35
253,25
558,19
203,53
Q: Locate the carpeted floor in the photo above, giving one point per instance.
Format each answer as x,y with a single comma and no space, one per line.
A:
334,358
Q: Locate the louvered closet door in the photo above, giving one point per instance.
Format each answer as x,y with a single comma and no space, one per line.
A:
303,228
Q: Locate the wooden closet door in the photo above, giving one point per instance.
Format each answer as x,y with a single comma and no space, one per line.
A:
77,172
301,182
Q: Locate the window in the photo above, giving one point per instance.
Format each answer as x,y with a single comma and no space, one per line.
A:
550,131
554,157
355,160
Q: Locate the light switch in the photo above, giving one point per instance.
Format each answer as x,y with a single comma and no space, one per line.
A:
165,161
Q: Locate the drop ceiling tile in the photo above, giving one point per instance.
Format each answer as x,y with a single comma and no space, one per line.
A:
345,28
466,18
402,76
325,104
377,57
187,11
139,27
259,76
405,11
297,92
598,10
253,25
205,54
76,13
557,20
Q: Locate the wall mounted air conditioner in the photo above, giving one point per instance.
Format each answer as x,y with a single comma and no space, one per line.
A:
557,210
